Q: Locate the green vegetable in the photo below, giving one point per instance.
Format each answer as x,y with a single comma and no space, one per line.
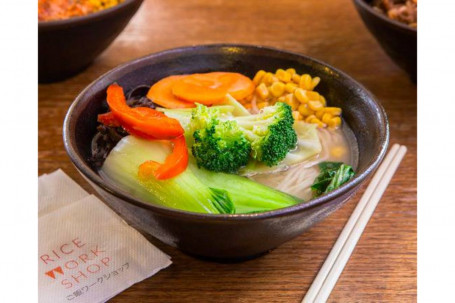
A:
195,189
248,196
183,115
223,143
184,192
239,109
218,146
221,147
270,132
332,176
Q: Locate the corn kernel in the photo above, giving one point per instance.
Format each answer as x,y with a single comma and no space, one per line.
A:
338,151
277,89
261,105
315,105
258,77
283,75
313,96
262,91
326,118
297,115
306,82
290,87
296,78
268,78
315,82
309,118
304,110
281,99
322,99
319,113
318,122
248,106
334,111
291,101
291,71
300,94
334,122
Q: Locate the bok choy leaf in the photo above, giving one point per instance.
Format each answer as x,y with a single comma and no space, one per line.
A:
332,176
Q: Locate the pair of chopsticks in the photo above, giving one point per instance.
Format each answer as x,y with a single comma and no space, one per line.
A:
339,255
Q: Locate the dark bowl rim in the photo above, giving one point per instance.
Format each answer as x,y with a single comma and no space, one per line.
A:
86,18
94,177
372,11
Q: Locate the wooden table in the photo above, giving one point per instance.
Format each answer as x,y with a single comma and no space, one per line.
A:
383,266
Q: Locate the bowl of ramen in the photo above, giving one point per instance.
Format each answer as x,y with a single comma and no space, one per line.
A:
394,25
71,34
225,151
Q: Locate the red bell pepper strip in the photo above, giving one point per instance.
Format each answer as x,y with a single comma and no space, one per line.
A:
108,119
175,163
141,120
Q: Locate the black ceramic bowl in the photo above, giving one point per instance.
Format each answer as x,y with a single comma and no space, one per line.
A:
66,47
227,236
398,40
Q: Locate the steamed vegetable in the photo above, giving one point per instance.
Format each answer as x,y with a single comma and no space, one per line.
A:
332,176
270,132
195,189
248,196
147,123
161,93
219,146
182,91
183,115
175,163
185,191
239,109
141,121
222,142
211,88
108,119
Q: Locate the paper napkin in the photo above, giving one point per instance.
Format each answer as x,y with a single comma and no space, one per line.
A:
87,253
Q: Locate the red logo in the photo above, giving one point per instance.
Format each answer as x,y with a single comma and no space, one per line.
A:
51,274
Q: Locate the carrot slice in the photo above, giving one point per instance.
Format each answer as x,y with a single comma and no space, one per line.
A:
161,93
241,87
175,163
211,88
207,89
142,120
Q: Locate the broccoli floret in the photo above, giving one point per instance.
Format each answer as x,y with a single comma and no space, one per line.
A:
203,116
219,146
224,144
270,132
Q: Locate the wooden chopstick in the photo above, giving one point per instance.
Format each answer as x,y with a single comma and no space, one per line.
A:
346,242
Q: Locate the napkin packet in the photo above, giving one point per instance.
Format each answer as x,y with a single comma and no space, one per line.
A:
86,252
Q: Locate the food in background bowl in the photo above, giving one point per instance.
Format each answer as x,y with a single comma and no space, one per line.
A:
68,46
225,236
404,11
399,40
63,9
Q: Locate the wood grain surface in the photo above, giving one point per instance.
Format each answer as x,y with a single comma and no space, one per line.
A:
383,266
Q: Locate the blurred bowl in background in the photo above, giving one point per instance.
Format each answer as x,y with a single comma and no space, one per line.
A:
397,39
66,47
